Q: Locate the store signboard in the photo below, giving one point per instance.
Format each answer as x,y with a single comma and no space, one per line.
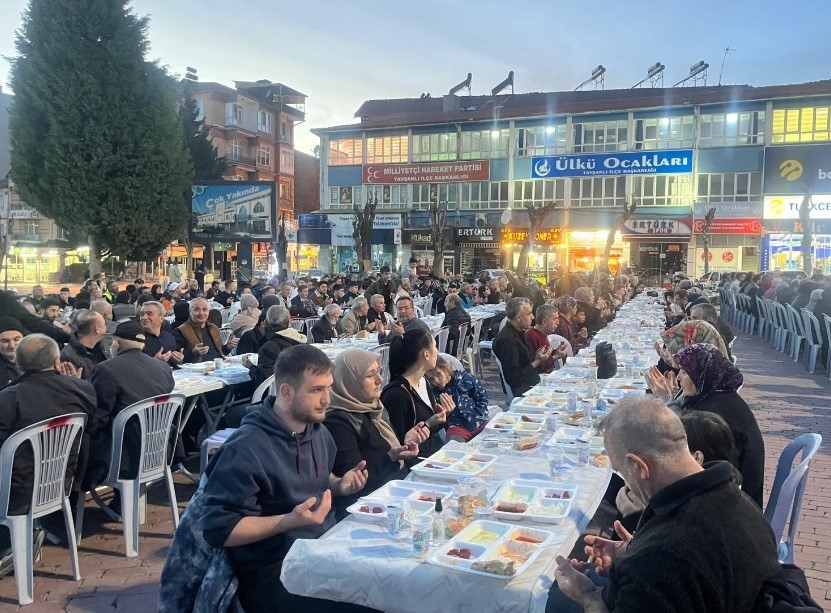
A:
637,226
343,225
787,207
730,226
236,211
542,237
476,235
729,210
721,259
24,214
790,169
599,164
430,172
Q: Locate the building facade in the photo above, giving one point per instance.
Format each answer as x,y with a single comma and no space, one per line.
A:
677,152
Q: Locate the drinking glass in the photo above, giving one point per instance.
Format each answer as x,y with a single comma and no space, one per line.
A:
422,532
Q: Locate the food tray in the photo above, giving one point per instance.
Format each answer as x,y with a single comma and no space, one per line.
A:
540,403
517,423
501,538
448,464
399,490
536,496
566,436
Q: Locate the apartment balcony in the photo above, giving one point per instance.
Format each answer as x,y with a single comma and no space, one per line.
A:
234,123
240,160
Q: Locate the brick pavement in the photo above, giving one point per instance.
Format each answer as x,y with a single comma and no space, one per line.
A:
786,400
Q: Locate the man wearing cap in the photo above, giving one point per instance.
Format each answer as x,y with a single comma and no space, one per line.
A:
172,295
199,340
11,333
125,379
84,351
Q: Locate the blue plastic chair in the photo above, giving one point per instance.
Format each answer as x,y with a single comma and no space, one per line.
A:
788,488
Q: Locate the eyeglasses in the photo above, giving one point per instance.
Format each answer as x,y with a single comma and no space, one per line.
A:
372,374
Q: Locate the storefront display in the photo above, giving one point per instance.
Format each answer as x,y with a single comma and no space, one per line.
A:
586,249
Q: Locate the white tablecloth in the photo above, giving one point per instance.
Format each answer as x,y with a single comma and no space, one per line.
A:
357,562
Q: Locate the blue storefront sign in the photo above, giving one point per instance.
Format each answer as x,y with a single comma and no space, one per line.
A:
789,170
611,164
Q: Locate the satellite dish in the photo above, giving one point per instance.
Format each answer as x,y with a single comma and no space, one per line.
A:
506,217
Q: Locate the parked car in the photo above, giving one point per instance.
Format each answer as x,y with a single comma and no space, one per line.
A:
490,273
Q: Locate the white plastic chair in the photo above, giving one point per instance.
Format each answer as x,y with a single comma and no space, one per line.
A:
453,360
52,442
264,388
441,339
462,342
508,391
157,419
813,340
827,320
384,352
427,307
797,328
212,443
785,499
419,312
554,340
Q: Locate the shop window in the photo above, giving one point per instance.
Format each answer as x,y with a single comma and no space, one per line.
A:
597,136
729,187
387,149
801,125
538,191
541,140
345,151
434,147
485,195
664,133
425,193
662,190
484,144
731,129
598,191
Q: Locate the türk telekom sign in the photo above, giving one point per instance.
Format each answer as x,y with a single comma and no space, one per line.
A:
430,172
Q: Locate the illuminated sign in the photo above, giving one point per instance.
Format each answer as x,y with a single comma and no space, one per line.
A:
551,236
787,207
430,172
628,163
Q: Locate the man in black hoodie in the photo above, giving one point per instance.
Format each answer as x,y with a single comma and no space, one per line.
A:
272,483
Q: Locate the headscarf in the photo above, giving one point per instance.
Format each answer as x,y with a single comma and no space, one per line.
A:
709,370
583,294
348,394
565,304
688,332
248,301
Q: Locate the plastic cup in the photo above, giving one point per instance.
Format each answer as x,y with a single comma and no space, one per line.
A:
225,335
422,526
583,448
563,476
556,458
395,518
218,363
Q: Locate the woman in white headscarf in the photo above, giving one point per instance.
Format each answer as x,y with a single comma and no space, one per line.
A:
248,315
360,426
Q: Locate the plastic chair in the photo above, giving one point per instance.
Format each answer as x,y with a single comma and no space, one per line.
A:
457,365
788,488
554,340
52,442
462,342
212,443
507,388
784,336
827,321
797,332
262,390
813,340
427,307
472,348
298,324
761,309
157,419
441,339
384,352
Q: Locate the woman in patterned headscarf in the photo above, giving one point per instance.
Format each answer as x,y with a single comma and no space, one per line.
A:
710,382
567,306
687,333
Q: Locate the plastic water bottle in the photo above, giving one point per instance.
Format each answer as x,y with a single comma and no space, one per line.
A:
571,407
438,523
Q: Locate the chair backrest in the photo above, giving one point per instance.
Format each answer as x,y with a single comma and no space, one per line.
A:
785,499
475,334
427,307
462,343
827,321
782,315
454,361
262,390
52,442
555,339
795,318
384,352
441,339
298,324
812,329
156,418
508,391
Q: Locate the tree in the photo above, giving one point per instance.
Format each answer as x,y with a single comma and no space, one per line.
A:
536,218
705,236
805,210
618,226
96,144
362,231
437,212
208,165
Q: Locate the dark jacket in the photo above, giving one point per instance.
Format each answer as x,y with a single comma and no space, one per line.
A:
226,299
322,331
512,350
701,545
164,342
265,469
8,371
11,307
250,341
303,308
275,342
593,320
386,290
750,446
453,319
356,439
81,357
119,382
35,397
406,408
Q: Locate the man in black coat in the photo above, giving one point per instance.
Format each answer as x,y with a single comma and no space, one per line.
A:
84,351
11,333
279,336
519,367
385,286
11,307
455,315
702,544
325,328
119,382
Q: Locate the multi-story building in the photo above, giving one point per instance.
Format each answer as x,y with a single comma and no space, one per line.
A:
749,152
252,126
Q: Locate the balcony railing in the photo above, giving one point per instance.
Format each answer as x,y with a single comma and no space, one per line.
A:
243,160
236,122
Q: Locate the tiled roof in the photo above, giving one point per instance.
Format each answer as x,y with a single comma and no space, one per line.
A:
425,111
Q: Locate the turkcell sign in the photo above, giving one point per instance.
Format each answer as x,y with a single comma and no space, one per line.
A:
611,164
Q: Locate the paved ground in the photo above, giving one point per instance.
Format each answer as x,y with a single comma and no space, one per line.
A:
787,402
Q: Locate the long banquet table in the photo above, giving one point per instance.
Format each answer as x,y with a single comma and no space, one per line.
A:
358,562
